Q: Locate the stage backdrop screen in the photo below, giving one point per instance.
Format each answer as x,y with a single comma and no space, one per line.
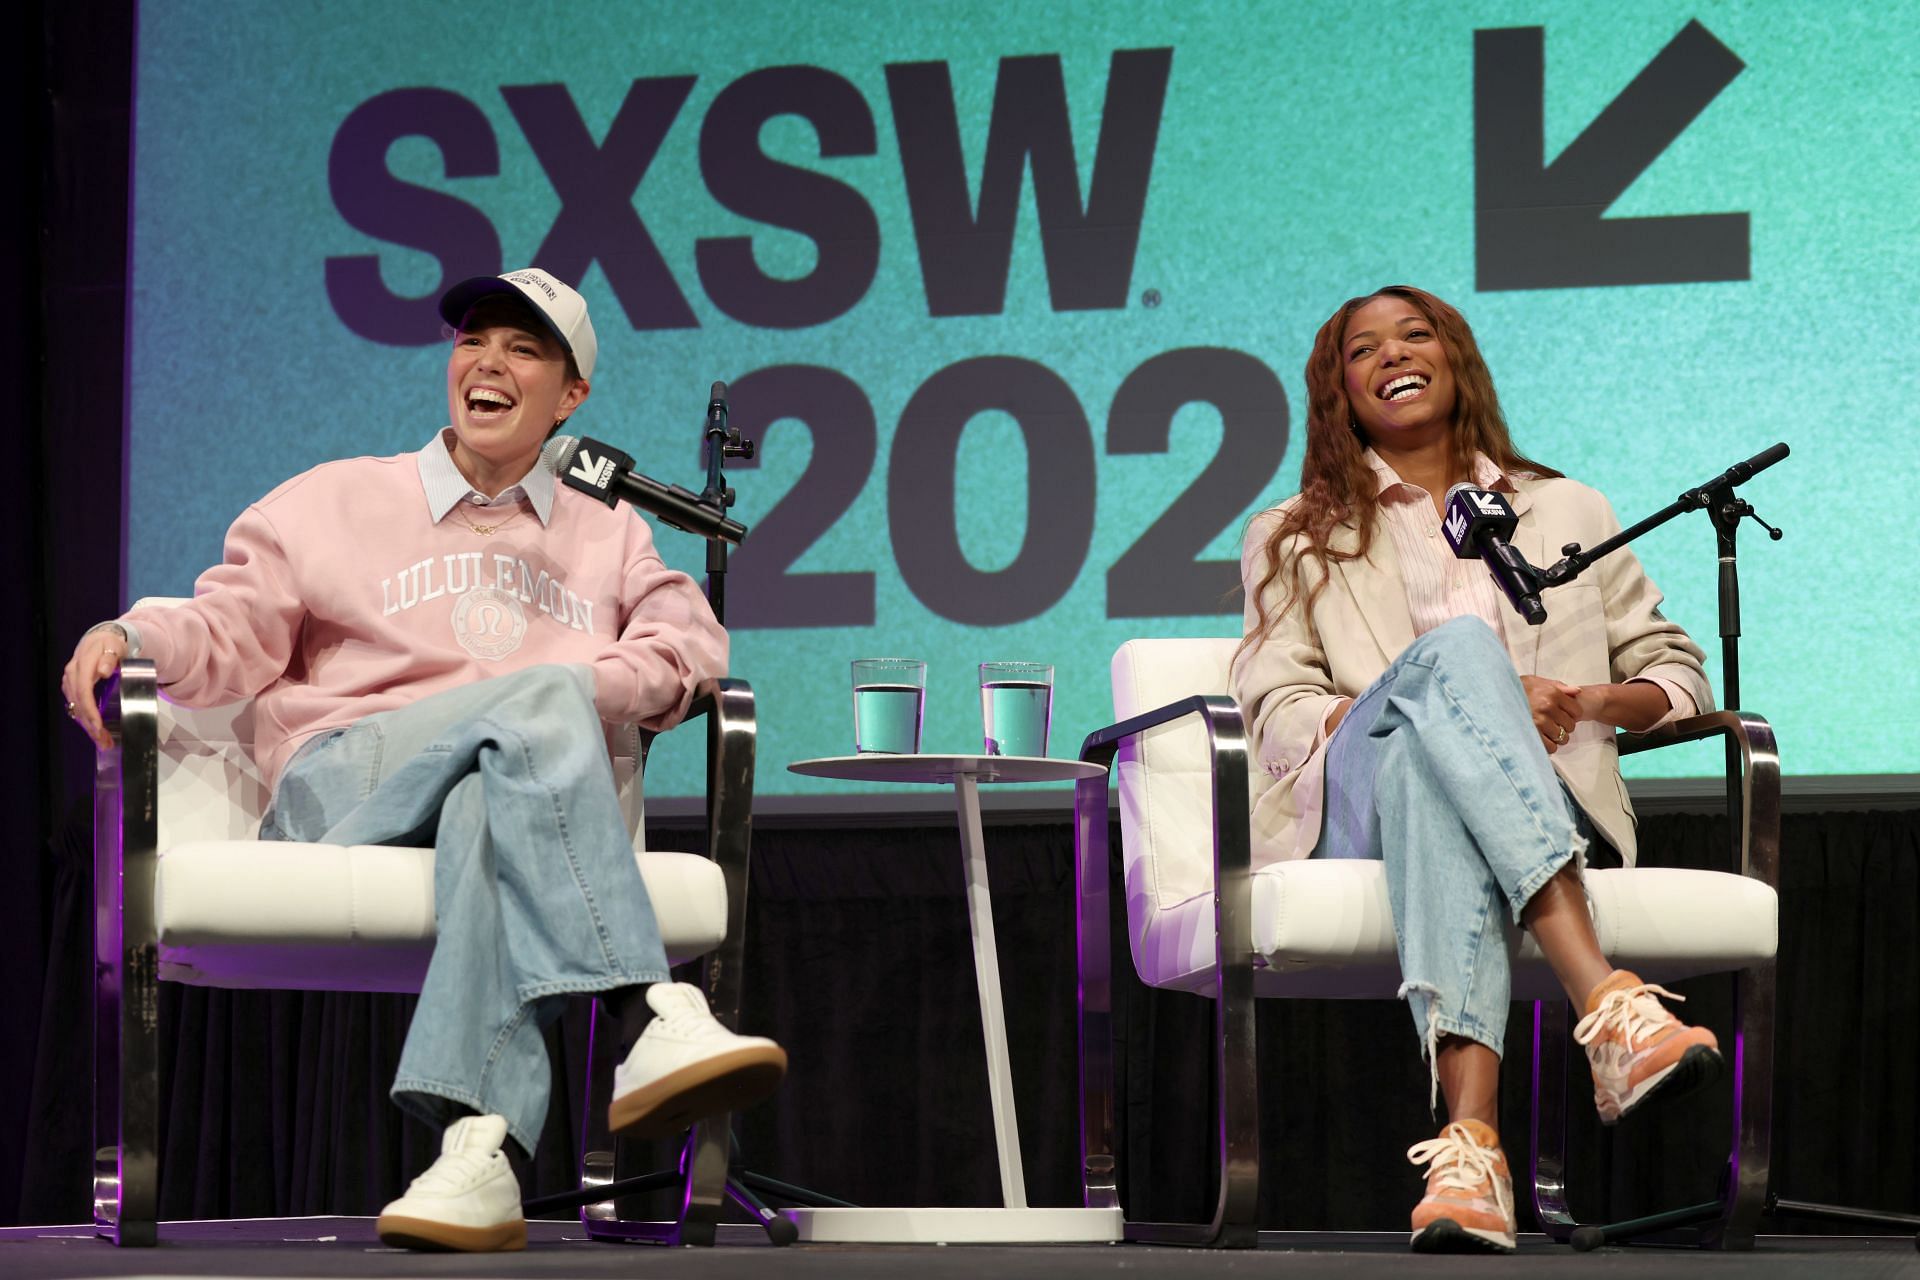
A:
1014,298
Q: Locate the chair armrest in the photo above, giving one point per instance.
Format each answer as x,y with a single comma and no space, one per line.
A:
1745,727
1227,753
126,784
1215,707
1753,782
129,697
1236,1081
732,734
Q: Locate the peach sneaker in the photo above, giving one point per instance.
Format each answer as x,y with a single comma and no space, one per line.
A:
1637,1049
1468,1207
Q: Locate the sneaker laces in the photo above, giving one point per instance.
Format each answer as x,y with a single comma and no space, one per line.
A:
1457,1163
453,1172
682,1007
1632,1011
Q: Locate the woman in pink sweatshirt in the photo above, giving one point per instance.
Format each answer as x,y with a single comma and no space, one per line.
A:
437,645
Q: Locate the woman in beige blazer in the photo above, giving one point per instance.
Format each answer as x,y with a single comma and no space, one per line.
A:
1405,713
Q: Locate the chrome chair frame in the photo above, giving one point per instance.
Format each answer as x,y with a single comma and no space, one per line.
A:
1730,1220
126,1050
1725,1223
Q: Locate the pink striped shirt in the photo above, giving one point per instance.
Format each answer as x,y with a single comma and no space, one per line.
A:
1439,584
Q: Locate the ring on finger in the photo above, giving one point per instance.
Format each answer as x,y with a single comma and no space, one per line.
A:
1562,737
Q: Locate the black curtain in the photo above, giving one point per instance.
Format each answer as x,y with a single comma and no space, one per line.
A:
68,72
858,962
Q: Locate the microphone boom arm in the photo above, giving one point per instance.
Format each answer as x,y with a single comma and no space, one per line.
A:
1715,497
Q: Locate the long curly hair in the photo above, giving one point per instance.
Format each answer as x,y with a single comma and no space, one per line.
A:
1337,487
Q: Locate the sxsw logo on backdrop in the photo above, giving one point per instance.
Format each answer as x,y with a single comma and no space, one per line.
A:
1538,225
965,240
1542,226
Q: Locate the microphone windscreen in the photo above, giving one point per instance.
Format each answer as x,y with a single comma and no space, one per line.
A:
718,393
1464,484
557,454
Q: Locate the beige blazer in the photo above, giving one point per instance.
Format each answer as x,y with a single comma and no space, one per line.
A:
1605,626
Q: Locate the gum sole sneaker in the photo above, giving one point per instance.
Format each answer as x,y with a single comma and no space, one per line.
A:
1638,1050
426,1236
467,1201
1468,1207
686,1067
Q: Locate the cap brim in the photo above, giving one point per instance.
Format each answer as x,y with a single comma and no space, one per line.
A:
457,301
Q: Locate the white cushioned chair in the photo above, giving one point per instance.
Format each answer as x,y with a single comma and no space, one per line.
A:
1201,918
184,892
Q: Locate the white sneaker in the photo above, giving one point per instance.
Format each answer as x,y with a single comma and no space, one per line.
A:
686,1066
467,1200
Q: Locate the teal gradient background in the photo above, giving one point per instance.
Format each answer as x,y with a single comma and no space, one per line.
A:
1306,154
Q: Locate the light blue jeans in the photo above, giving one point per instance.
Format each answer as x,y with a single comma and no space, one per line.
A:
535,891
1438,771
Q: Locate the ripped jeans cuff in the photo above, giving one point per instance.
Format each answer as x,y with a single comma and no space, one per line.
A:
1424,997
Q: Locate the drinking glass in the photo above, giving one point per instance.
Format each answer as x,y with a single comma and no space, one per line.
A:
1016,707
889,696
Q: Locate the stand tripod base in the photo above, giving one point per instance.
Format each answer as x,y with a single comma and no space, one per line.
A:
1586,1239
1901,1222
741,1186
956,1226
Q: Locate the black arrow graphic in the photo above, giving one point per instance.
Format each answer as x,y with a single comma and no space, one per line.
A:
1539,226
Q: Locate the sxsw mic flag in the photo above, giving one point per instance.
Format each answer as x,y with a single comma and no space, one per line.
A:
586,465
1473,513
604,472
1478,524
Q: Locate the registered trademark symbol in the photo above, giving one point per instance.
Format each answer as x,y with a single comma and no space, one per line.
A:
1151,298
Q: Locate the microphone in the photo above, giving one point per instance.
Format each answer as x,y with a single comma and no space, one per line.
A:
715,433
1478,524
602,471
1738,473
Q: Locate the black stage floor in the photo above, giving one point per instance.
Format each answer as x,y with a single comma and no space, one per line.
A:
289,1247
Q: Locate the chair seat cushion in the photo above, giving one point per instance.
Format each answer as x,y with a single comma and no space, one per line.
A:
276,914
1324,929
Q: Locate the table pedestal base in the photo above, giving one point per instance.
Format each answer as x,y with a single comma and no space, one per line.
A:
956,1226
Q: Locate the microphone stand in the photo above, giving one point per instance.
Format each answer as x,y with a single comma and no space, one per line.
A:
1716,498
722,442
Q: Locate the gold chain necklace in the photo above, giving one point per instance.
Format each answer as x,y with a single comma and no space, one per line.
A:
487,530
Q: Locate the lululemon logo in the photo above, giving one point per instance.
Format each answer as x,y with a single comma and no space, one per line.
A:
489,623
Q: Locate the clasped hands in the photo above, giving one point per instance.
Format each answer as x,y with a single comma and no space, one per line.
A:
1558,706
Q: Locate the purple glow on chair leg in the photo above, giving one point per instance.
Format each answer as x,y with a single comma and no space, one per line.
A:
1533,1125
1739,1097
1536,1057
1080,1013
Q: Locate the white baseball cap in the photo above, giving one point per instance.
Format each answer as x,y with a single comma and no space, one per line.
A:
553,301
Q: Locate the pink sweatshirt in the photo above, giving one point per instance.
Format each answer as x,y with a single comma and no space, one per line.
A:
339,596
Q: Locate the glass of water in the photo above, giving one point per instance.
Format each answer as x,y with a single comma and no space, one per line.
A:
888,697
1016,707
